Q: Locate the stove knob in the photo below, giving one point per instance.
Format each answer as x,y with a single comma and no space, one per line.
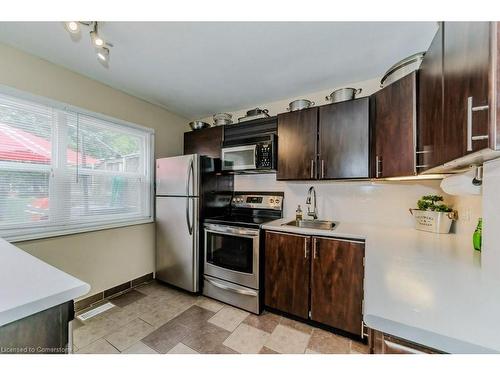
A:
272,200
277,201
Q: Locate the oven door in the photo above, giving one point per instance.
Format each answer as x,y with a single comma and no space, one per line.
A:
239,158
232,254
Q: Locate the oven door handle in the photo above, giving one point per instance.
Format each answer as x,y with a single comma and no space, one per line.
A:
246,292
219,229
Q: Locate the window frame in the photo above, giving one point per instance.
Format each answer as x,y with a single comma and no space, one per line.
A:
49,228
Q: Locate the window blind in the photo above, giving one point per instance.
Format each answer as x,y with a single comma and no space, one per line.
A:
64,171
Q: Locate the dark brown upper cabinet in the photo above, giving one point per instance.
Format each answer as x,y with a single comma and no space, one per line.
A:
458,82
430,105
466,63
337,274
393,120
344,140
207,142
297,138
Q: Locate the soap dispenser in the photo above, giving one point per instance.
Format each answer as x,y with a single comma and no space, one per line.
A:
298,213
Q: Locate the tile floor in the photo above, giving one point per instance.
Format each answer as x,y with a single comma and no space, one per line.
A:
154,319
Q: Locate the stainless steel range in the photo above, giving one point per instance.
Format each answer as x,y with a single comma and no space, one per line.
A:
233,251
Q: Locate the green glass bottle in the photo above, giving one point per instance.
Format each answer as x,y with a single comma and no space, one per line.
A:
476,237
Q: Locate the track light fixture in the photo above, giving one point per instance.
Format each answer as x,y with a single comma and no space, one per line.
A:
102,47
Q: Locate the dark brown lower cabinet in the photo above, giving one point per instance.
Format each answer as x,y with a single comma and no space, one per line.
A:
322,282
45,332
381,343
337,283
287,273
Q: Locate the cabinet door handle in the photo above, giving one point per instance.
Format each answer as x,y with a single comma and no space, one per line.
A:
312,168
470,109
378,164
315,248
322,168
306,249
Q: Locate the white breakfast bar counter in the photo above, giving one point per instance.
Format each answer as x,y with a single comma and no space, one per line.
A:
29,285
423,287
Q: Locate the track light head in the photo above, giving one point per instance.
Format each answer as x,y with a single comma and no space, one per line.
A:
73,27
96,39
103,54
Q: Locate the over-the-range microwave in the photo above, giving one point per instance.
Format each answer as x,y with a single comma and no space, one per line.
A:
259,156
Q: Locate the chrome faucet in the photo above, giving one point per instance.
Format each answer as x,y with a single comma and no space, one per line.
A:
312,194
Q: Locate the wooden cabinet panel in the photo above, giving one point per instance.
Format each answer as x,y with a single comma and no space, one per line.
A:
287,270
466,71
337,283
45,332
394,127
297,137
430,105
207,142
344,140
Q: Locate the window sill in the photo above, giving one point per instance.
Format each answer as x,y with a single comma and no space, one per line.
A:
70,231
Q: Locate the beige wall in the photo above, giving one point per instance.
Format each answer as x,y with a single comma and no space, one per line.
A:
279,106
109,257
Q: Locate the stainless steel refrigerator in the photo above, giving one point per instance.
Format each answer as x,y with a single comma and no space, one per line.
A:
177,221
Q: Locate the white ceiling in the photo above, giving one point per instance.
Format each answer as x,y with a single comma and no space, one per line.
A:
196,69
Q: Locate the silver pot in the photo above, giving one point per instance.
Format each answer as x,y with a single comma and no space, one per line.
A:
341,95
402,68
222,119
196,125
257,112
299,104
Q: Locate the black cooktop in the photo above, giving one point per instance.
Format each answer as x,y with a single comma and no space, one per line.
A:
239,220
245,209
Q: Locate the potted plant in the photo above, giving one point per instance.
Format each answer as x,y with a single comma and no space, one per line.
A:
433,215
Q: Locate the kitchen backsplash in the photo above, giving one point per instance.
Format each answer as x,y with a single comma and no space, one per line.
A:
361,201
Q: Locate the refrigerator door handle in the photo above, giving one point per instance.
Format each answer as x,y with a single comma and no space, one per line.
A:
188,219
157,178
190,172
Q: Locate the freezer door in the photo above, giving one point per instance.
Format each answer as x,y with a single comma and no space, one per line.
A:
178,176
177,259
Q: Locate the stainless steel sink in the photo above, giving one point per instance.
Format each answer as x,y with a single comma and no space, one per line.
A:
312,224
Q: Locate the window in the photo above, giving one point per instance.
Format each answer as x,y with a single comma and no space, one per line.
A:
63,170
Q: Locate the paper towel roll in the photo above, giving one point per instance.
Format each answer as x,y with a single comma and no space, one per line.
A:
460,184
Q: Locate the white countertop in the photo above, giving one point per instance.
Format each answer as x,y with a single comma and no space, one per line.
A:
424,287
29,285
